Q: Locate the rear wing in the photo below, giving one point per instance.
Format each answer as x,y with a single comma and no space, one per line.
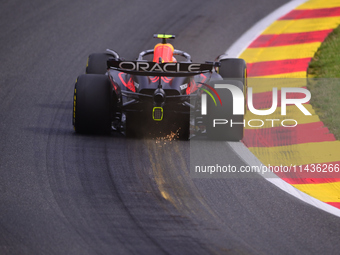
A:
145,68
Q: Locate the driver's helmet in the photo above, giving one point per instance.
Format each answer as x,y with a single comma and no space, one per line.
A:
164,51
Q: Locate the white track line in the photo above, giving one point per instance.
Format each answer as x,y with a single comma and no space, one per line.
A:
244,153
248,37
240,149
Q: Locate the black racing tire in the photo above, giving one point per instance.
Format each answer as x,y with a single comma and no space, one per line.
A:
226,131
93,104
233,68
97,63
233,71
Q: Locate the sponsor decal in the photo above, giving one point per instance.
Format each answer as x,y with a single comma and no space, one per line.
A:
143,66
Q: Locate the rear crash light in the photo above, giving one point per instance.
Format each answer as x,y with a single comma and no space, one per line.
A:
157,113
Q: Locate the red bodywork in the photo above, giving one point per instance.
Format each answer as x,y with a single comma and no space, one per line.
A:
164,51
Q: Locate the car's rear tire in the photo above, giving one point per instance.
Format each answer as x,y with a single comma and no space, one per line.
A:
93,104
223,115
97,63
234,68
233,71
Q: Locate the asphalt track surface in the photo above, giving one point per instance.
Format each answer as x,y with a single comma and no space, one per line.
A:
62,193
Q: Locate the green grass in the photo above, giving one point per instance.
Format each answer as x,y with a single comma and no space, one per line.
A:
326,93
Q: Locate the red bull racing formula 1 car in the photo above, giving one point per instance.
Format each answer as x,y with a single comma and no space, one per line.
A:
156,97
